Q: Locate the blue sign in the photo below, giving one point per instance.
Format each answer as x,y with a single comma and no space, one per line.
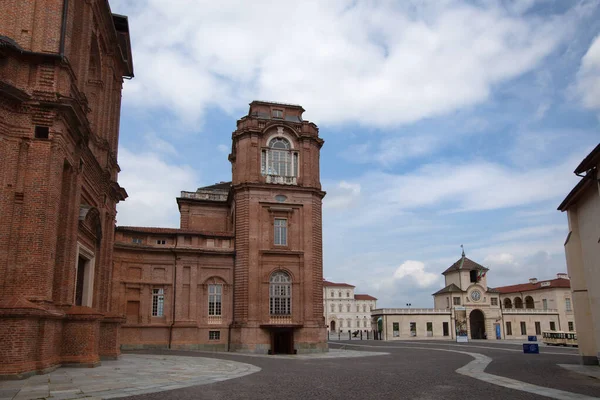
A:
532,338
531,348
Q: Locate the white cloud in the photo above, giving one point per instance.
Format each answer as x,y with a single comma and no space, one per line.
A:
588,77
223,148
342,195
158,145
152,185
415,270
377,63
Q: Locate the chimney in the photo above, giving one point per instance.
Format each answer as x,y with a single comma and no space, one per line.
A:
533,280
562,275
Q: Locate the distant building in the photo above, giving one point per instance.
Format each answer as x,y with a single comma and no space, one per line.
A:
582,248
244,271
345,310
466,306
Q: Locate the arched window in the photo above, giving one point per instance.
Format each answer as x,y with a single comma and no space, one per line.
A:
347,294
529,302
518,302
333,308
280,294
332,294
340,293
279,159
507,303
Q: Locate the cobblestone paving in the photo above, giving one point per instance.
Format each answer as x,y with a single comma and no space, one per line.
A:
133,374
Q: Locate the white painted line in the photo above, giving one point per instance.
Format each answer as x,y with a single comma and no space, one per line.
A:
476,369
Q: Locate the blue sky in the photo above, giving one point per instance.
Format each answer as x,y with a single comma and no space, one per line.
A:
445,123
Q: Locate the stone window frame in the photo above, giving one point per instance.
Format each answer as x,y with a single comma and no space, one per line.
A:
508,328
268,151
214,335
217,300
494,301
88,275
455,302
283,231
568,304
280,290
158,302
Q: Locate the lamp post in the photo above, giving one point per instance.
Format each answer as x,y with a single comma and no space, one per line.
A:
408,305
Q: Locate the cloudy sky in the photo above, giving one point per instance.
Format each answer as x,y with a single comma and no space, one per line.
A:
445,123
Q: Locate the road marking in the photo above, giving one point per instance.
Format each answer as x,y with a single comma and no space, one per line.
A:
476,369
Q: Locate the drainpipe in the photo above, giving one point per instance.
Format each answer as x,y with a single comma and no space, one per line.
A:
173,250
63,31
232,307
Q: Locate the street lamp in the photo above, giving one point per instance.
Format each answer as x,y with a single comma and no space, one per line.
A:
408,305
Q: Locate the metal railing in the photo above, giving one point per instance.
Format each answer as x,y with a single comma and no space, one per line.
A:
411,311
528,311
214,319
280,319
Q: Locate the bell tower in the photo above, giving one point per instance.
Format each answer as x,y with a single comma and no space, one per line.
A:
276,200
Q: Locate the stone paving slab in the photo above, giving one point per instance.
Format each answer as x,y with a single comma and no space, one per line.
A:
593,371
131,375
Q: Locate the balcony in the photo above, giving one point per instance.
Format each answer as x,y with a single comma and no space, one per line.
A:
281,180
409,311
215,320
528,311
280,320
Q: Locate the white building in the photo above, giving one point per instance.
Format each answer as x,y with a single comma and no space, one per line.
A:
344,310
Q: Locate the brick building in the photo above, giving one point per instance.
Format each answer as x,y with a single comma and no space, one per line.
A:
62,65
244,270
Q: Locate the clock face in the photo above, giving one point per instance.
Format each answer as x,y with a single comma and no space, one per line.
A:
475,295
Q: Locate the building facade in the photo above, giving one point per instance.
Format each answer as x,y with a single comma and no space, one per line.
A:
582,248
466,306
62,66
345,310
244,270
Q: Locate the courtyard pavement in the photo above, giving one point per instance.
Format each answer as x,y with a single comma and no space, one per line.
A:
386,370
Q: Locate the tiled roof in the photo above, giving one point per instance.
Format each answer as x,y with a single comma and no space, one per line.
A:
467,265
327,283
590,161
449,289
364,297
171,231
526,287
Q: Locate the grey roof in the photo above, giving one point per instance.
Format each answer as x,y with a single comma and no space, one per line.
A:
464,264
449,289
217,186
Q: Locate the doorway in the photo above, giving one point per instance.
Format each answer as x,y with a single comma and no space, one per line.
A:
477,322
282,341
332,326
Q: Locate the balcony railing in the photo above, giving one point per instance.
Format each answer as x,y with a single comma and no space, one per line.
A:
410,311
215,320
282,180
528,311
280,319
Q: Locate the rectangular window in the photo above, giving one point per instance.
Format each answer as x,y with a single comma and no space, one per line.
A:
552,326
136,241
364,323
473,276
447,302
277,113
508,329
413,329
281,231
430,329
396,329
158,302
214,335
161,241
445,329
494,301
538,328
544,304
568,304
456,301
571,327
523,328
41,132
214,299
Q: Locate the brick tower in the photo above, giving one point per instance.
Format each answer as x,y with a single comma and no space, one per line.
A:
62,65
277,196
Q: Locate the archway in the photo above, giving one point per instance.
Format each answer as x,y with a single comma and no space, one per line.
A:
332,326
477,322
507,303
518,302
529,302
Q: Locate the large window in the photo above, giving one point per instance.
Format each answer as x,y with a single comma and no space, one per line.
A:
571,326
456,301
508,329
523,328
279,159
552,325
568,304
158,302
494,301
544,304
280,300
538,328
280,232
214,299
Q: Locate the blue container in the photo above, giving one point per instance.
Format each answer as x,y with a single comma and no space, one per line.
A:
531,348
532,338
